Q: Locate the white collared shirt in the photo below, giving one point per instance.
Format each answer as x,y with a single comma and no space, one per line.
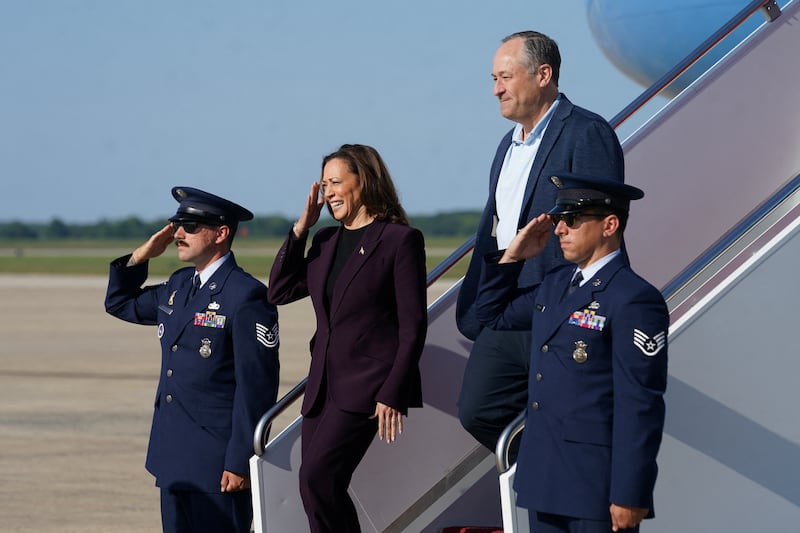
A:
206,274
591,270
513,177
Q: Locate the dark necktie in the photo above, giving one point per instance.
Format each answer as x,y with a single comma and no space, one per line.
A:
576,282
195,286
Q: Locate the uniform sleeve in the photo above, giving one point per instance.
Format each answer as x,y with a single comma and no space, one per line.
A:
639,360
410,289
126,298
500,304
256,367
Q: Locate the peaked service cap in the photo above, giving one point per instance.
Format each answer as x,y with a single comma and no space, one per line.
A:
201,206
578,193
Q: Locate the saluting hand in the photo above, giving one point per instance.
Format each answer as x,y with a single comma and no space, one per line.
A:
529,241
390,422
155,245
311,212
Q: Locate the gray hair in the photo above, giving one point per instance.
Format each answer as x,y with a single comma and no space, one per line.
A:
539,50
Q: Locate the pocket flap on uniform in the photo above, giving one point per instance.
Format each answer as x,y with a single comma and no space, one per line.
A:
213,417
587,431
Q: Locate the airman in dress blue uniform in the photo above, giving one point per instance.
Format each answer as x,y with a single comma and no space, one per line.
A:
595,413
219,369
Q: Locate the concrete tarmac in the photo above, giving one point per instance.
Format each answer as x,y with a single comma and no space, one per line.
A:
76,398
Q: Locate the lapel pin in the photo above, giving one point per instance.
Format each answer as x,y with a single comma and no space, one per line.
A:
361,251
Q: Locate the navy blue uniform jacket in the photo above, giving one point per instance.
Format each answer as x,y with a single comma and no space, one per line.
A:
371,342
576,141
595,410
219,368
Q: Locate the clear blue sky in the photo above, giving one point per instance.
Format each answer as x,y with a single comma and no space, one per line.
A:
105,105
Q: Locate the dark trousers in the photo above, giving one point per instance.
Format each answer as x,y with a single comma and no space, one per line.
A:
551,523
495,386
333,443
184,511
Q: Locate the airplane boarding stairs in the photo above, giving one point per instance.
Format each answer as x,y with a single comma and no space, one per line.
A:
731,450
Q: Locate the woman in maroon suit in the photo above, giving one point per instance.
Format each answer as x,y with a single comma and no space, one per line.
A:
366,279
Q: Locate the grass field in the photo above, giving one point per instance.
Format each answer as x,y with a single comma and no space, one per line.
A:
91,257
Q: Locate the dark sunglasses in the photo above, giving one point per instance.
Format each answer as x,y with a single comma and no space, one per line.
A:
190,227
571,218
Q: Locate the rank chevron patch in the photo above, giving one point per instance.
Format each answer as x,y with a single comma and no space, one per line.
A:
267,336
649,346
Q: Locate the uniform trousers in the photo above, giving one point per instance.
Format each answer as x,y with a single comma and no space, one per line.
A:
552,523
184,511
495,386
333,444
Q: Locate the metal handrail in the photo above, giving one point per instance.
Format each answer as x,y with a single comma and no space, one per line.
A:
730,238
508,435
261,431
442,268
771,12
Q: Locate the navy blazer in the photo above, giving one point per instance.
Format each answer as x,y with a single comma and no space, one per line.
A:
595,411
371,342
219,368
576,141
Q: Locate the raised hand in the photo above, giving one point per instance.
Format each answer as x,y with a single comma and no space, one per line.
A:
529,241
155,245
311,212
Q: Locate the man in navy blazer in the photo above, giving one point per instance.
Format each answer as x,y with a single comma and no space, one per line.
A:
551,136
595,413
219,363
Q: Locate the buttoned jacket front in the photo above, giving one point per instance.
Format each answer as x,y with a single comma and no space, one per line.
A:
595,410
219,368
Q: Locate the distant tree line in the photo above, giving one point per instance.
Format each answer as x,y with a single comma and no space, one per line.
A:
454,224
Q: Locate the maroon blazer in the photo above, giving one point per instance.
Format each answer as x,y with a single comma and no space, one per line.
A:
371,342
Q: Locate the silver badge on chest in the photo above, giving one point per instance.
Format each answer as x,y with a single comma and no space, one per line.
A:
580,355
205,348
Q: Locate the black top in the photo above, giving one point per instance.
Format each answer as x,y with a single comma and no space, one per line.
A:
348,240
